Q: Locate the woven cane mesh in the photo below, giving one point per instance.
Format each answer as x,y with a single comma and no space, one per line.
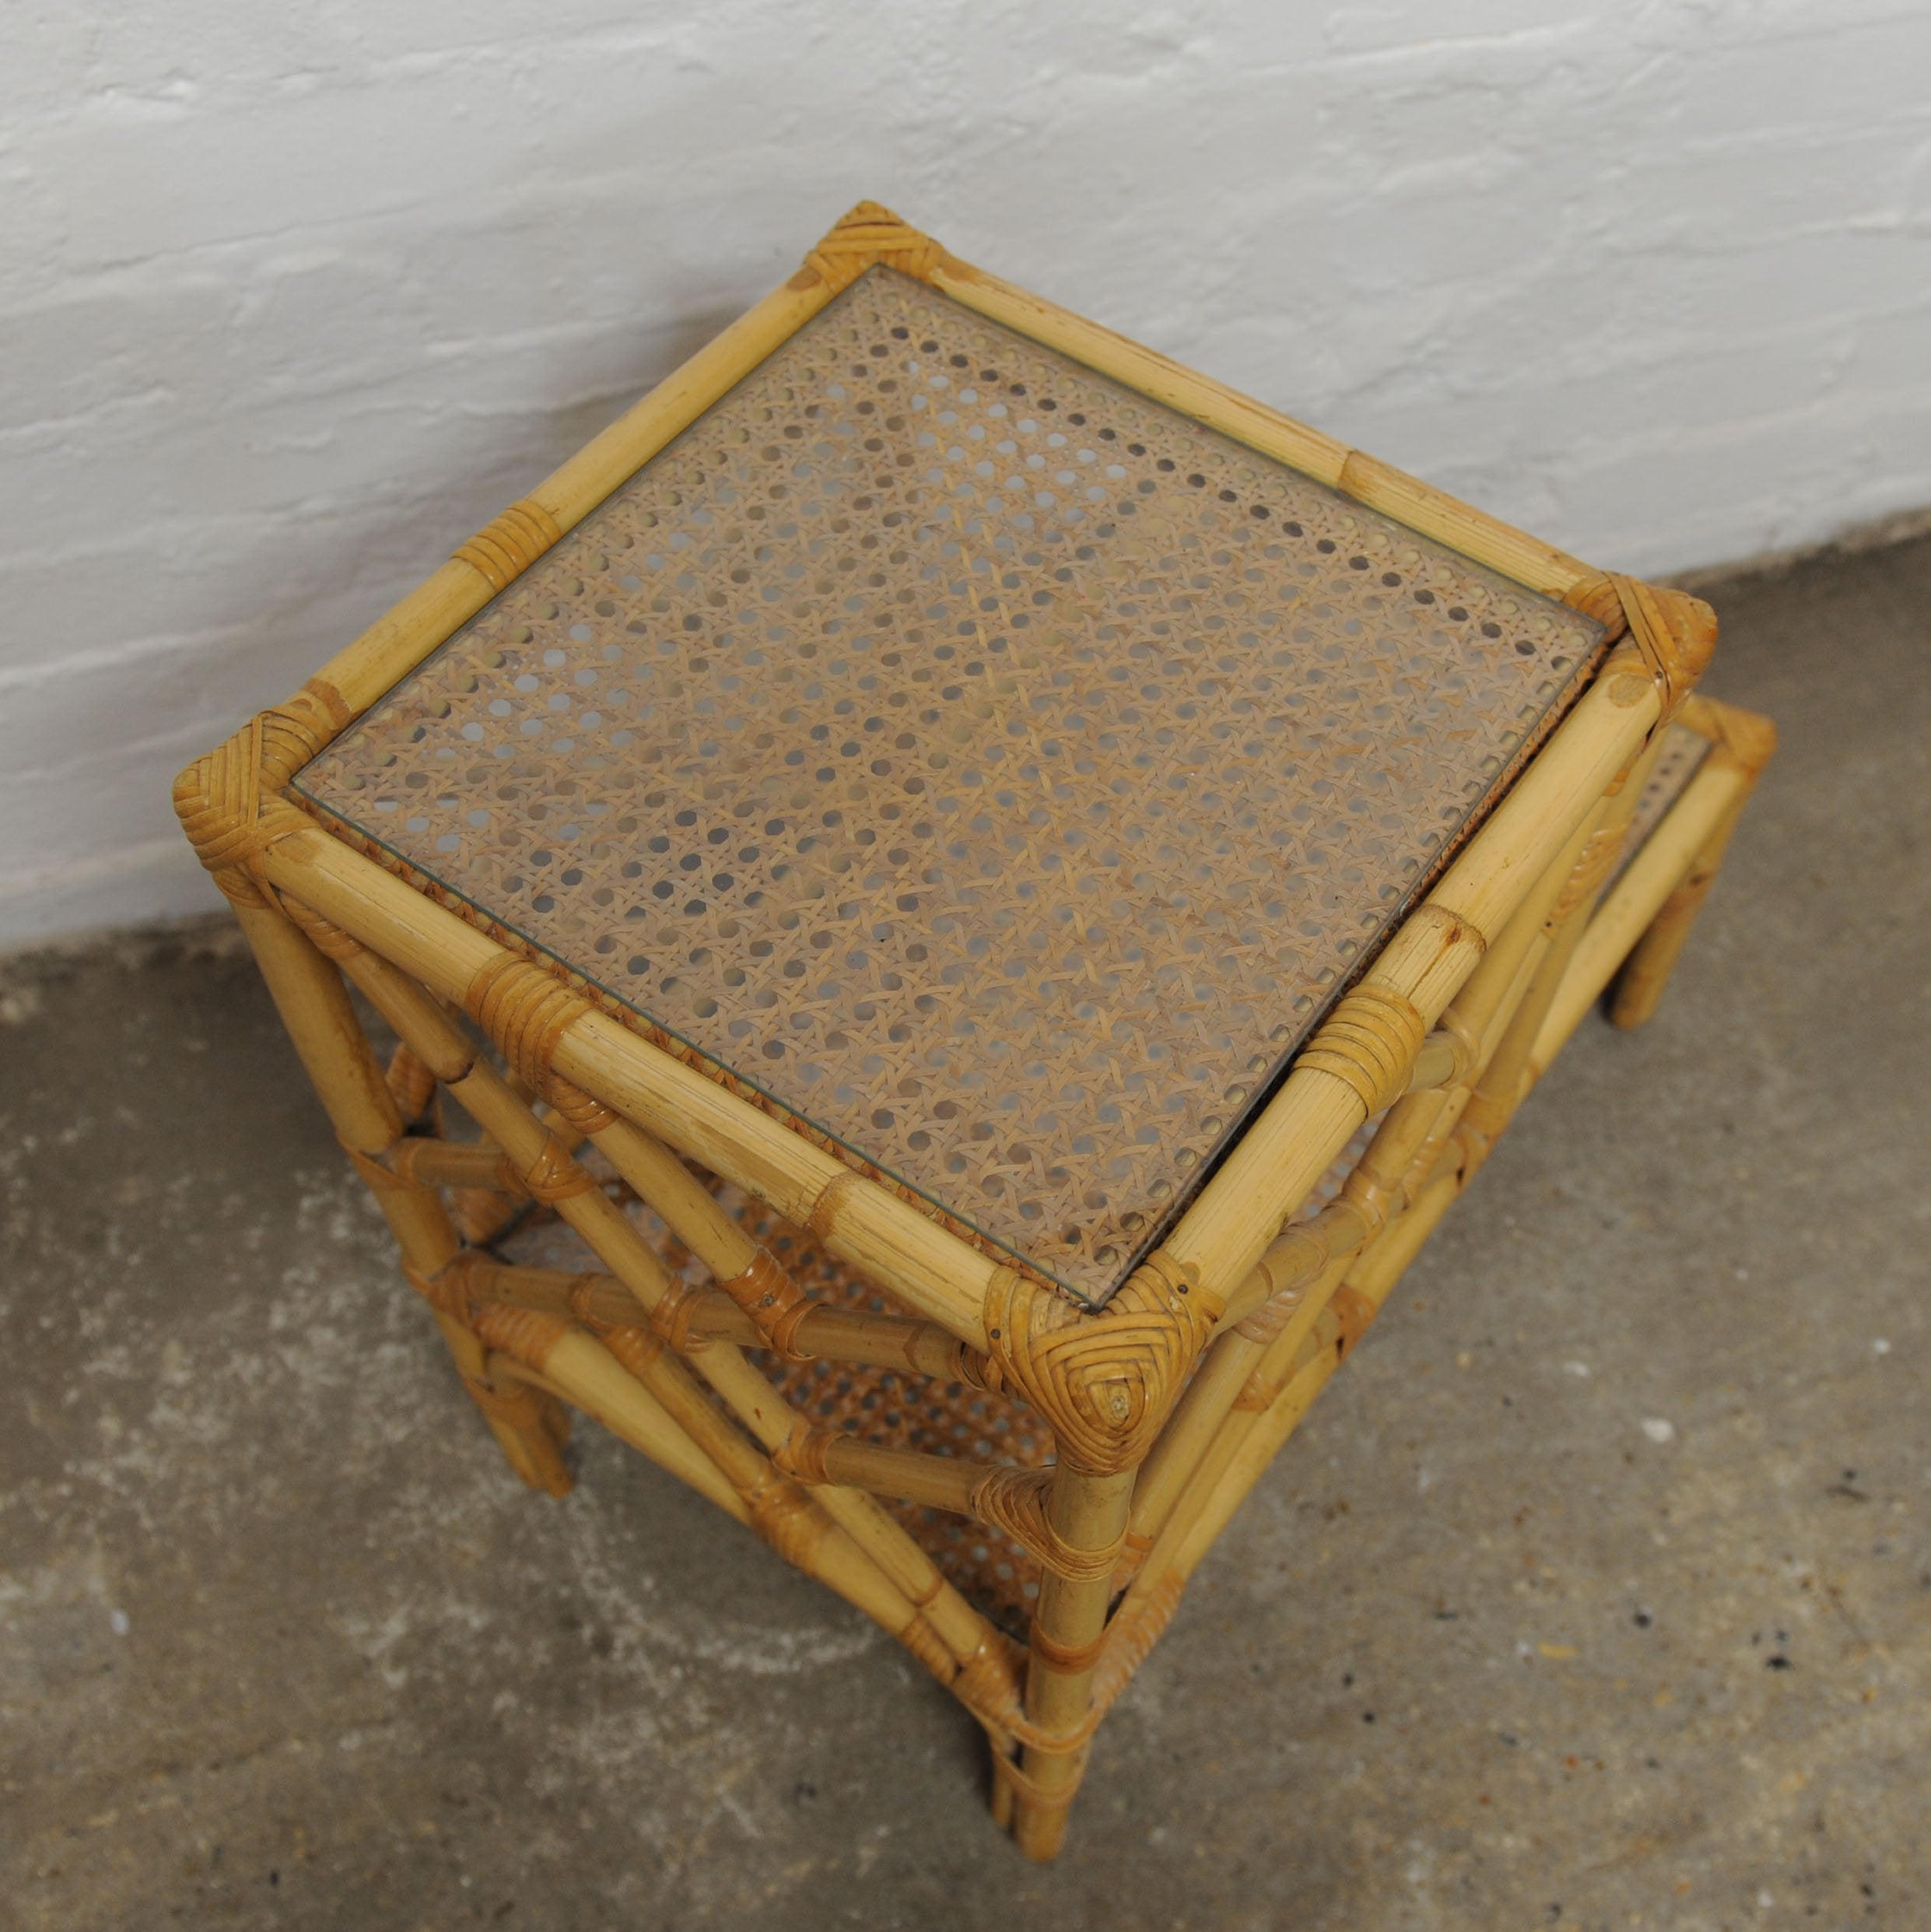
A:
982,766
912,1412
899,1409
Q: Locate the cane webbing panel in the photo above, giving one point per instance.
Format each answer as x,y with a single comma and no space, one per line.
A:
889,1406
983,765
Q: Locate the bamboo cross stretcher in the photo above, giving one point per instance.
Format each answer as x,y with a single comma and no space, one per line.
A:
1139,1392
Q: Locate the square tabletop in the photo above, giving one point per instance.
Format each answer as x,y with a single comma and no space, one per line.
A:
993,770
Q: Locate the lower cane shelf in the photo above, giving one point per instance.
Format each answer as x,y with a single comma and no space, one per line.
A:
957,902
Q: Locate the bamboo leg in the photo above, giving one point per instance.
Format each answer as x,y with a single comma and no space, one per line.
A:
1504,1079
1313,1328
1742,744
308,992
633,1416
1520,985
1088,1513
1373,1279
1400,1155
1491,1105
531,1425
1184,1472
1646,972
1635,901
1230,1359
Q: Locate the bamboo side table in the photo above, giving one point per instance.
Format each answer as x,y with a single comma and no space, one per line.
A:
980,894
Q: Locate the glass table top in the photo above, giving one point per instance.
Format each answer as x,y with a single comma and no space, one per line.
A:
994,771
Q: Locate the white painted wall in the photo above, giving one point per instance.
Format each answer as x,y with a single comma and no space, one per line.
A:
291,299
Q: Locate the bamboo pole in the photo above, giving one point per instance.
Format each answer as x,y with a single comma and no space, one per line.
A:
1004,1496
593,1300
1373,1279
692,1212
587,1372
825,1334
1158,1565
1313,1328
1088,1513
686,1206
939,1482
470,1166
1634,902
633,1416
1248,1458
1492,1104
334,1052
1230,1360
1646,971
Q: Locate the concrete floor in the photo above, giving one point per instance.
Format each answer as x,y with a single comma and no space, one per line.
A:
1597,1592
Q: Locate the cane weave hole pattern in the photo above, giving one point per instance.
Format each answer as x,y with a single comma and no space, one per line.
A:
911,1411
985,767
902,1410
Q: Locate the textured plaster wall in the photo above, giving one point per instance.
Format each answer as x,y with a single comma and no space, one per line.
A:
291,299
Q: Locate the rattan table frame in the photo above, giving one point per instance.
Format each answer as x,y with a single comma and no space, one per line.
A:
1164,1406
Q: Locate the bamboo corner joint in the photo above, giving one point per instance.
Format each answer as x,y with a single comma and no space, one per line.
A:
1161,1405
